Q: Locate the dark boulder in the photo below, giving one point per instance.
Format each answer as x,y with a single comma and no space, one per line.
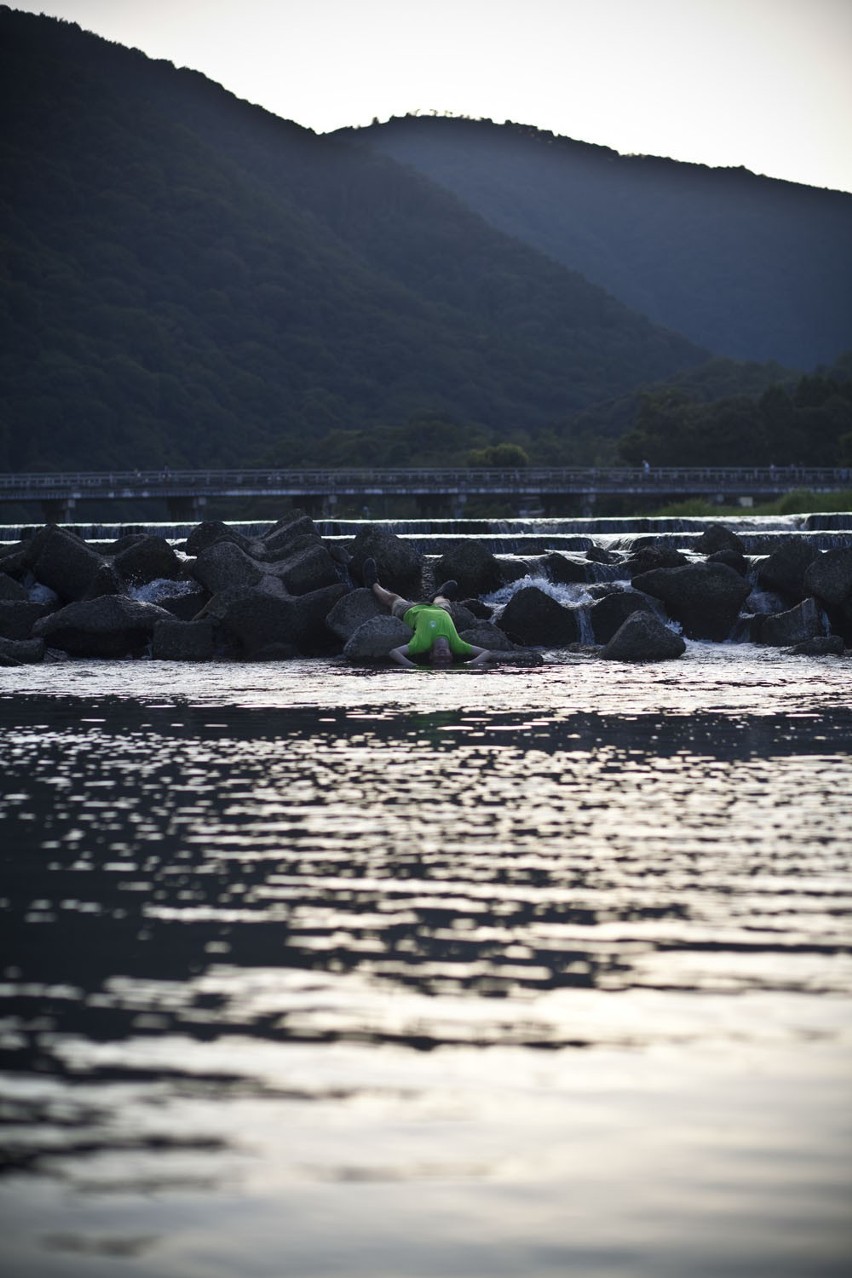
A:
341,556
111,626
255,619
717,537
284,537
64,562
829,577
22,652
610,612
462,616
17,618
308,567
123,543
376,638
148,559
209,532
484,634
13,559
647,558
841,621
513,568
784,570
705,598
399,564
185,607
175,640
643,637
11,589
820,646
534,619
224,565
601,555
565,570
732,558
472,565
478,609
106,581
797,624
352,610
312,636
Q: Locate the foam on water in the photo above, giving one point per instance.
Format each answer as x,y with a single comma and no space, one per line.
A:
162,588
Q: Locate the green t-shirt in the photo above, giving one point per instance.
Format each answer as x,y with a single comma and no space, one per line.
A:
428,624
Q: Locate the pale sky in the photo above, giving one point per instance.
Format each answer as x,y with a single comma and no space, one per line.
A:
762,83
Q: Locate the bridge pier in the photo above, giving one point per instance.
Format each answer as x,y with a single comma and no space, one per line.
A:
441,505
587,504
57,510
313,504
186,508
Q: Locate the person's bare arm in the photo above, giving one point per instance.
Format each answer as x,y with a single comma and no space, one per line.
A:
480,656
401,657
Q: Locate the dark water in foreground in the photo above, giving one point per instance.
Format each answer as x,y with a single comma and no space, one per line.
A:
517,972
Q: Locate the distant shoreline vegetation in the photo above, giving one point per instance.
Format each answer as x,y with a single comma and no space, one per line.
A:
800,502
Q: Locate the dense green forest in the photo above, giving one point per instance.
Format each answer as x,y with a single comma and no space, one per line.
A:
190,281
747,266
807,424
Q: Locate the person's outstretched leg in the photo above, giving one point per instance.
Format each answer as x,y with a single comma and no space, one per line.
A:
397,604
388,597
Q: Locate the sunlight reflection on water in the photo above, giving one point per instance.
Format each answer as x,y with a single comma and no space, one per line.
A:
527,972
726,677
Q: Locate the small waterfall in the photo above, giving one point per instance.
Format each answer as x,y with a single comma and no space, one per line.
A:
764,601
526,538
584,622
604,572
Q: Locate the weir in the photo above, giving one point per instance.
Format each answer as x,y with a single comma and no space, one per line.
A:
522,537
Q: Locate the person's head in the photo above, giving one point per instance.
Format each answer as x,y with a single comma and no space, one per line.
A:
441,655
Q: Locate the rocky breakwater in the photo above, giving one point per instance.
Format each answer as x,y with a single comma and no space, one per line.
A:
290,593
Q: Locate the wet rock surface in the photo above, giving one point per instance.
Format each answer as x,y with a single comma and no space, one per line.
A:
643,637
291,593
705,598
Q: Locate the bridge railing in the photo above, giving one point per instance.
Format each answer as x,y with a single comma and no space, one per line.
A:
460,479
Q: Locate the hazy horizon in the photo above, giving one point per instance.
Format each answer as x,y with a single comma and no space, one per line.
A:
760,84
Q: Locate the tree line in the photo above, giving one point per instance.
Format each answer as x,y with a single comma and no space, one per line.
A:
809,424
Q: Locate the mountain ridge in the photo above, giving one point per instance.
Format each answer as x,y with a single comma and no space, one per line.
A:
751,267
191,280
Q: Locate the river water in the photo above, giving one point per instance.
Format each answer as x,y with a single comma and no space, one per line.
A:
517,972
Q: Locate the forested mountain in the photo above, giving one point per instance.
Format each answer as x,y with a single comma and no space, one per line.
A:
188,280
750,267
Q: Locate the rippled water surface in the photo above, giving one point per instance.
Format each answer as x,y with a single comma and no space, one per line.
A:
528,972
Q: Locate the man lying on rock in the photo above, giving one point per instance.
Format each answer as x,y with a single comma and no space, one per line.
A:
435,637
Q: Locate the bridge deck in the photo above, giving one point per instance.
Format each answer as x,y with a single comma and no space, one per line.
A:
530,482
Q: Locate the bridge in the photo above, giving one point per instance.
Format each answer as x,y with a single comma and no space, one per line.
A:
324,492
